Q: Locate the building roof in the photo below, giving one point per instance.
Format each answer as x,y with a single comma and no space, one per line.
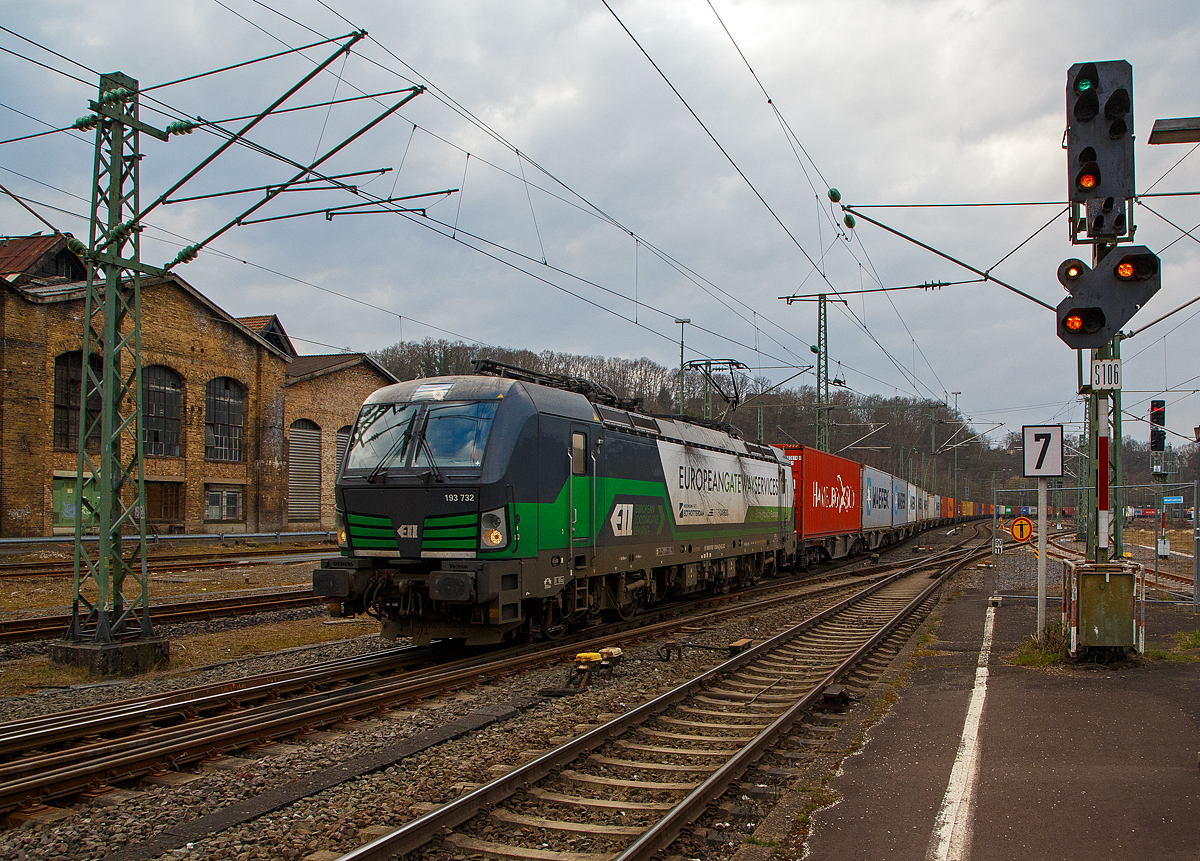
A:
307,367
271,330
26,264
38,259
44,294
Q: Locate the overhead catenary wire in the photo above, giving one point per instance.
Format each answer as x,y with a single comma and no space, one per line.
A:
438,93
712,137
587,205
177,240
672,339
792,137
598,305
523,160
592,208
952,259
794,140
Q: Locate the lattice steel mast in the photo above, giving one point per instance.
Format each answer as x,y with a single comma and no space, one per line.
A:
112,594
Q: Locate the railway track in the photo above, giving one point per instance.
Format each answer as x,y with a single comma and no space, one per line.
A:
628,789
61,755
25,629
163,563
1056,549
28,628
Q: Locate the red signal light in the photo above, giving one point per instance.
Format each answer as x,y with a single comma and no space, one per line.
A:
1087,178
1083,321
1136,267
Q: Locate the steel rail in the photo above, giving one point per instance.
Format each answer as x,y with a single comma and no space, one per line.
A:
664,832
63,774
420,831
28,628
92,720
161,563
62,727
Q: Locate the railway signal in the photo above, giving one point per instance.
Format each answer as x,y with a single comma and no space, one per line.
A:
1103,299
1100,159
1158,419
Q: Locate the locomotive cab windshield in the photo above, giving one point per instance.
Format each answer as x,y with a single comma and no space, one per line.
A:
430,438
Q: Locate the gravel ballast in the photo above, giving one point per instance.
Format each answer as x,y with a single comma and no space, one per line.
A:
163,819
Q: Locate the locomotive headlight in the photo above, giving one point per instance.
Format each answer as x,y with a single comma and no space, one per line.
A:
340,523
493,531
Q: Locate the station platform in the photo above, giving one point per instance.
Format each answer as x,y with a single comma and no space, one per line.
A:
1078,761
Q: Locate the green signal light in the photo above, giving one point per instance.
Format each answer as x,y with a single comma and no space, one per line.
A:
1085,84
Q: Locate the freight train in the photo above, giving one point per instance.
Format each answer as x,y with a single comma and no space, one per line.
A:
511,503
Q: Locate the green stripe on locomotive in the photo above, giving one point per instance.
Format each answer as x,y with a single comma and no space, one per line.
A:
450,532
371,532
553,522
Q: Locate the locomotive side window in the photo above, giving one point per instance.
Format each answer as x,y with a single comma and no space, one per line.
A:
579,454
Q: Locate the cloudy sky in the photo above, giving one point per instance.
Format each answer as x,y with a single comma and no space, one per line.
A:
618,166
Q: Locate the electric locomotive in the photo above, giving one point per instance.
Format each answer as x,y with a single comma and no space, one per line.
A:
513,503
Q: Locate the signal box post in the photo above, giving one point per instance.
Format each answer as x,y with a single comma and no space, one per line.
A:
1105,610
1102,609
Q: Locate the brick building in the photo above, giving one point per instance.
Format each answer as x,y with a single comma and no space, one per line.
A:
240,434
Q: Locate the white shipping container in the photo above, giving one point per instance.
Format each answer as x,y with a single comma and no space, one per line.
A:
877,498
899,501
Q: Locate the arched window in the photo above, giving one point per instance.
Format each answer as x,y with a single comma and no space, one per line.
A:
68,386
224,418
162,410
304,471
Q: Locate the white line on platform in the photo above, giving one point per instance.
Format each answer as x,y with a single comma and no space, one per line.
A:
951,840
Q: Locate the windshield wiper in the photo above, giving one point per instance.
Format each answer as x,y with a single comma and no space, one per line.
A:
391,452
437,473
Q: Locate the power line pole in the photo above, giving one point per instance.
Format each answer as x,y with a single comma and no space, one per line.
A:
956,418
111,591
682,321
821,348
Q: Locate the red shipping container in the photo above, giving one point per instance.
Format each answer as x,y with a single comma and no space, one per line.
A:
828,492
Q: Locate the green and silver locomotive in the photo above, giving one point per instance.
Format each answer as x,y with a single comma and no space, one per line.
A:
511,503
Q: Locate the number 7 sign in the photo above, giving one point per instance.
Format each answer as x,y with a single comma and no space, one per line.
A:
1043,451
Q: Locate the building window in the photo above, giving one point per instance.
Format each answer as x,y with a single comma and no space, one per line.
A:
224,418
304,471
68,385
223,503
162,408
164,501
